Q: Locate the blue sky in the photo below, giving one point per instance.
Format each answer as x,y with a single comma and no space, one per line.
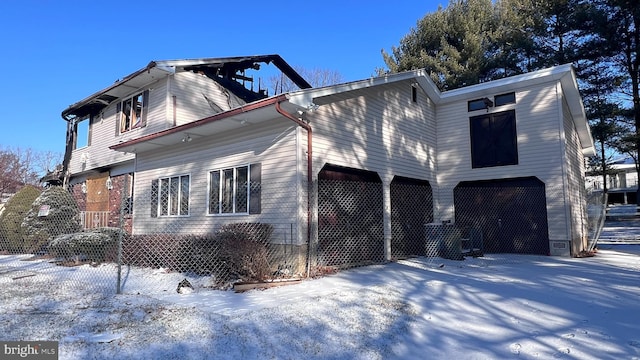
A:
56,53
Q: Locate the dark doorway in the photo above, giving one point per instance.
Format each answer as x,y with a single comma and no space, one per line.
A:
510,213
350,210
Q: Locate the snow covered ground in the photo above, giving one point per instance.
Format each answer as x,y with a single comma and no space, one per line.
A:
495,307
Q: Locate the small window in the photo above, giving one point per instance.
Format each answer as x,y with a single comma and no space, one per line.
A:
170,196
479,104
503,99
414,93
235,190
132,112
494,140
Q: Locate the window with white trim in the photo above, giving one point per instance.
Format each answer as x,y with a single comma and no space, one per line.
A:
235,190
170,196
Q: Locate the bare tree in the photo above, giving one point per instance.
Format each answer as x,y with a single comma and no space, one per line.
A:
19,167
316,77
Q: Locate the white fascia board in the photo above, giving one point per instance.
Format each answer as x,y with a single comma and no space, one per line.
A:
569,85
506,84
305,98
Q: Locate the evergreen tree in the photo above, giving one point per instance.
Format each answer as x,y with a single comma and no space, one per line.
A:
451,44
11,233
61,215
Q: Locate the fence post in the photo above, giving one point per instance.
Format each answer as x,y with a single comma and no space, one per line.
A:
121,233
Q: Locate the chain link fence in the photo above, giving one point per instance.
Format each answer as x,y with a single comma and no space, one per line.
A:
597,215
121,250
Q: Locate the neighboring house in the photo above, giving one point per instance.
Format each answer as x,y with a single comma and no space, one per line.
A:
622,182
384,155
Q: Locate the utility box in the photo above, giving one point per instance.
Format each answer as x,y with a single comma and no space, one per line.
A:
443,240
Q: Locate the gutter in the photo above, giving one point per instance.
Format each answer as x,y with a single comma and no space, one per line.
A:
307,127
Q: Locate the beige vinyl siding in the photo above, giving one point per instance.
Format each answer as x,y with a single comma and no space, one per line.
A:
575,181
272,144
190,89
98,153
378,129
103,132
538,121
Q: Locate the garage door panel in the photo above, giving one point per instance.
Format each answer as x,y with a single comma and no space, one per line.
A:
511,213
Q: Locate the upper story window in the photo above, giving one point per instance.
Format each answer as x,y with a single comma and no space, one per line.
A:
494,139
235,190
170,196
132,112
479,104
486,103
83,133
504,99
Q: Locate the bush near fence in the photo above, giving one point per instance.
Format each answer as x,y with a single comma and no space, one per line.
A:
236,252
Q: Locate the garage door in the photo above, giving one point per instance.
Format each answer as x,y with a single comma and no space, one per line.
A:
350,224
511,213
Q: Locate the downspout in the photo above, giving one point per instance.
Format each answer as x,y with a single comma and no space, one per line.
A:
307,127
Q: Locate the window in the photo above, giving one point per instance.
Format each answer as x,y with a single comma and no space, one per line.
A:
170,196
83,133
235,190
503,99
479,104
132,112
493,140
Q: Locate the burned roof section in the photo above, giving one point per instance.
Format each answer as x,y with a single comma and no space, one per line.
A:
229,72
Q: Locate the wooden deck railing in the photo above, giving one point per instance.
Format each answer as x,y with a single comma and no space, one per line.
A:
94,219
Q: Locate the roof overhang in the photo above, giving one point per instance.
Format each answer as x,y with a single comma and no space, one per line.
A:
319,96
98,101
234,119
158,69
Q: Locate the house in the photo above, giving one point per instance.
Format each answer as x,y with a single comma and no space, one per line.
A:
349,173
622,181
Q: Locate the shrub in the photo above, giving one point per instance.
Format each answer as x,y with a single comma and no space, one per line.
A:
97,245
244,250
235,252
63,218
11,233
203,256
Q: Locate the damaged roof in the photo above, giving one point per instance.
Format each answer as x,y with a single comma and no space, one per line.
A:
215,68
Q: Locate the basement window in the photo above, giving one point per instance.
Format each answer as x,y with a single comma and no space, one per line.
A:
132,112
